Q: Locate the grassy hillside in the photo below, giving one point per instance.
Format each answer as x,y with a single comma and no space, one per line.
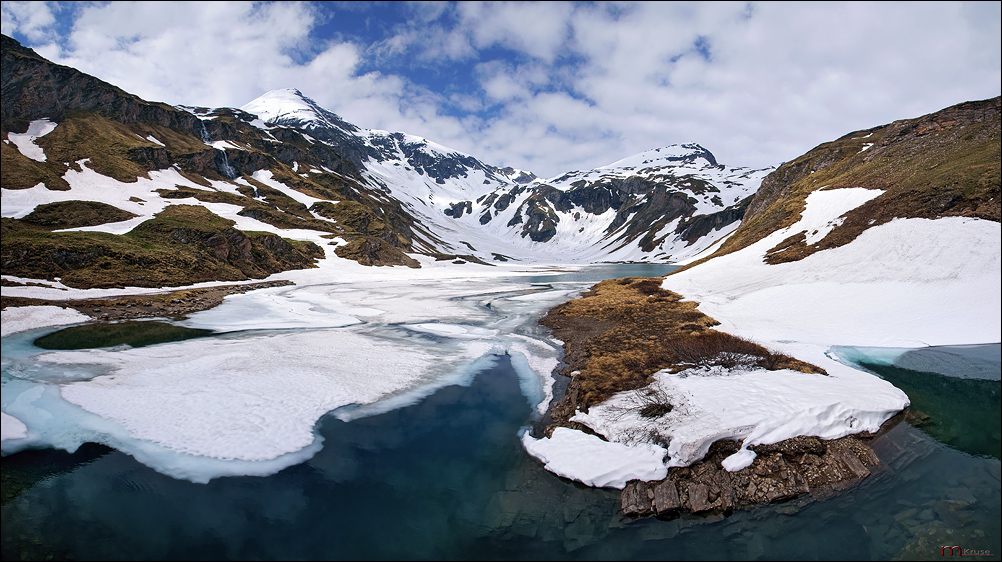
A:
120,136
183,244
942,164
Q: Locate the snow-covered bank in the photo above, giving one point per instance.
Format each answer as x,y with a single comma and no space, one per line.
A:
594,462
908,283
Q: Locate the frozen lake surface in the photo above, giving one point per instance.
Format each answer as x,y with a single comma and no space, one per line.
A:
246,396
446,478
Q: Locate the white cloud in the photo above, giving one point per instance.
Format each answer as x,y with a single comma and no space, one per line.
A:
502,82
538,29
556,86
33,19
201,53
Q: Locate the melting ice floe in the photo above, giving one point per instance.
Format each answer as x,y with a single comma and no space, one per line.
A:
20,319
247,401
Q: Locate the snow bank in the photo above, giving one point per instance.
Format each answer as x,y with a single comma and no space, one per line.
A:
906,283
591,461
752,406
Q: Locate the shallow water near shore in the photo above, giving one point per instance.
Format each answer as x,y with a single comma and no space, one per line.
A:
446,478
959,403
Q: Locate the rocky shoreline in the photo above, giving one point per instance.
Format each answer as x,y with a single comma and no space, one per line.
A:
781,472
610,345
159,305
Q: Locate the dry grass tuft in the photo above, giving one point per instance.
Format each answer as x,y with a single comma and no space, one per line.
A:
641,329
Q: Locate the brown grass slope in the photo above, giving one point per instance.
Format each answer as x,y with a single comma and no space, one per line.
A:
183,244
939,165
76,214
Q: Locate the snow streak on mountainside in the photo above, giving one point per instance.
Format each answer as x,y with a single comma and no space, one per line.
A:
664,204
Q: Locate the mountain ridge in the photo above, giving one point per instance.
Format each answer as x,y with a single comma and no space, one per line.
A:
937,165
284,164
373,195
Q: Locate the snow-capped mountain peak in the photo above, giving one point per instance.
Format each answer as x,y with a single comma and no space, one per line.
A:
671,155
289,106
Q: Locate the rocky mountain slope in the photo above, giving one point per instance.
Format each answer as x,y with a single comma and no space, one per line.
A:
285,166
657,205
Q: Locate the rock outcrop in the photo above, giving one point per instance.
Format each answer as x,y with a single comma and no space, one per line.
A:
781,472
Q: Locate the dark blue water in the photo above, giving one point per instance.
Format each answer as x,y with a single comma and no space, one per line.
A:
447,479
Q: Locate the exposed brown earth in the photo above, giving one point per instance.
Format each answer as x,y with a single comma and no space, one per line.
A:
161,305
621,332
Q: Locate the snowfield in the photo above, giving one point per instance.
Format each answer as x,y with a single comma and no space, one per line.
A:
907,283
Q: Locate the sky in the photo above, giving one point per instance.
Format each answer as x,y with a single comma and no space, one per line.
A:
548,87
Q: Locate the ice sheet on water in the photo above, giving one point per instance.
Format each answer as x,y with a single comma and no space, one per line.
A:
247,401
244,398
274,309
11,428
23,318
452,330
961,361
